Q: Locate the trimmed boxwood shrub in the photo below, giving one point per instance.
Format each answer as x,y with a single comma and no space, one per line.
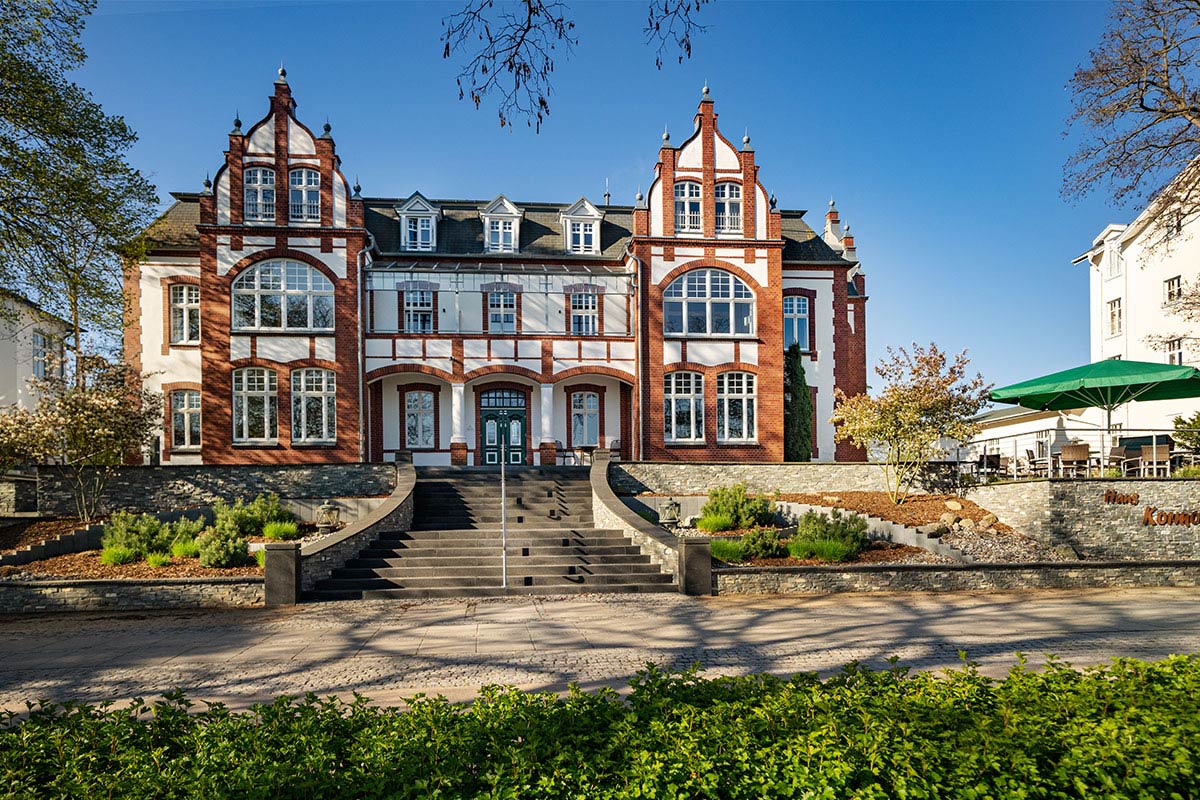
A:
1125,730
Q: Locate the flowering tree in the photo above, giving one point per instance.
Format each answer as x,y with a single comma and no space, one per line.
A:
925,398
88,423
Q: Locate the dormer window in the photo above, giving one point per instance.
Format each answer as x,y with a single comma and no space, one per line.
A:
729,207
687,207
581,227
501,226
259,183
418,223
304,195
419,234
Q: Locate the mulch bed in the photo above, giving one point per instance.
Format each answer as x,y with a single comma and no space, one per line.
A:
917,510
86,565
23,532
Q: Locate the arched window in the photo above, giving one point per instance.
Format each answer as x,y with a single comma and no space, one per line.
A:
259,185
314,406
282,295
729,207
585,419
708,302
795,322
736,407
304,187
255,405
687,207
683,407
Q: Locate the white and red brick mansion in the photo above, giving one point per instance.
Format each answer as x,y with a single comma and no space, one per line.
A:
287,319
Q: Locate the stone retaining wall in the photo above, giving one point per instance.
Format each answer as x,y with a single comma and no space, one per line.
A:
953,578
152,489
18,495
1102,518
18,597
632,477
609,513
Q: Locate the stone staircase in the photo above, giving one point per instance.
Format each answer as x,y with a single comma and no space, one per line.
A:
454,547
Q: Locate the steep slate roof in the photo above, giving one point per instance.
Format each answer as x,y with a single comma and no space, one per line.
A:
175,229
460,231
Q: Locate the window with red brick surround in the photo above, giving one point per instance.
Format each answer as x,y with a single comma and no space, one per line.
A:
167,310
406,389
811,295
584,389
169,399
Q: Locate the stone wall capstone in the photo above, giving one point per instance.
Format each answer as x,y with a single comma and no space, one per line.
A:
632,477
151,489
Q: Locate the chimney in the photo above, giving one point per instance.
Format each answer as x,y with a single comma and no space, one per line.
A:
833,228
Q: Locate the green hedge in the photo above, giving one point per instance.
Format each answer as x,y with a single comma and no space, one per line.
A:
1129,729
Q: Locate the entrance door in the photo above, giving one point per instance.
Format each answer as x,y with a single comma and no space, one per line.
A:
503,420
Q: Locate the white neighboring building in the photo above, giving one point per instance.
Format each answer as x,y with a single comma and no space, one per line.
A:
30,341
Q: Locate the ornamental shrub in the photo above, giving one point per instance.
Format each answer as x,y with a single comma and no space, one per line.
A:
158,559
745,510
250,518
763,543
283,531
141,534
830,550
115,555
727,550
185,548
715,523
1187,471
186,529
223,546
260,558
849,529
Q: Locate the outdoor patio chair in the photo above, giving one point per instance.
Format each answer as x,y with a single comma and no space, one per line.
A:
614,448
1037,466
564,456
1155,460
1075,457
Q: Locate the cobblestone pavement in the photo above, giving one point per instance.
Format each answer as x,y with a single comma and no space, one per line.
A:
389,650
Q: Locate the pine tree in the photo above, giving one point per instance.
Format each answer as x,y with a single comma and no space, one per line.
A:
797,408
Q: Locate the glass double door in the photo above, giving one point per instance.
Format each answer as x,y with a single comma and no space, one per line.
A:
503,420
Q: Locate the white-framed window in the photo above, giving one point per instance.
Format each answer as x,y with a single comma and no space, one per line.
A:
582,237
41,353
185,419
795,322
185,313
419,421
501,238
418,233
585,317
1114,317
729,207
314,406
255,405
736,407
585,419
259,184
1112,256
304,187
418,311
707,302
683,407
1172,289
282,294
1175,351
502,312
687,207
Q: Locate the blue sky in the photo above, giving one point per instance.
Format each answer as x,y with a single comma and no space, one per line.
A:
938,127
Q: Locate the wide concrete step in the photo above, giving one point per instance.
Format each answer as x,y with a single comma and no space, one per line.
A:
515,577
518,591
411,538
515,567
486,561
467,473
599,551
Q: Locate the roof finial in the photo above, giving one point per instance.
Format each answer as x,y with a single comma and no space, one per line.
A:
774,202
282,73
356,187
705,95
237,123
639,198
746,139
831,202
666,135
607,196
207,185
327,128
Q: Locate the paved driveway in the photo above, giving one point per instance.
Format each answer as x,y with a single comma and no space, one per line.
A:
388,650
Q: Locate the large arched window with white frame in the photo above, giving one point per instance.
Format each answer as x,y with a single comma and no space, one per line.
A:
736,407
282,295
687,207
304,195
708,302
683,407
259,194
728,197
314,406
255,405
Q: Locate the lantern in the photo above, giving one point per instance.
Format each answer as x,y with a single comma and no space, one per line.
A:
327,517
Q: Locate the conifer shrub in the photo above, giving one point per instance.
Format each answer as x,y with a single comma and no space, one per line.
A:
763,543
223,546
829,537
745,510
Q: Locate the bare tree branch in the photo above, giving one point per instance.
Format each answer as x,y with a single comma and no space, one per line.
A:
669,24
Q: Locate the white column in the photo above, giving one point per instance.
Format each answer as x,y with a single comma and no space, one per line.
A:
547,430
457,413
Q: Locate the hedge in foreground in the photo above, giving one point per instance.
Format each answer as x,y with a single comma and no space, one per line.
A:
1130,729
